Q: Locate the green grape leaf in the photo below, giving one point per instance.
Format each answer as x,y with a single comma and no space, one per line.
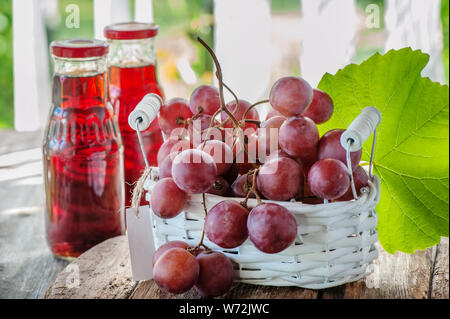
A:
412,148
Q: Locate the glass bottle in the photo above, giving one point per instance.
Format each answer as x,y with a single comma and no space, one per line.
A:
83,153
132,75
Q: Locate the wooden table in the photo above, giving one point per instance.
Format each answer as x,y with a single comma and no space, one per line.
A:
27,266
105,272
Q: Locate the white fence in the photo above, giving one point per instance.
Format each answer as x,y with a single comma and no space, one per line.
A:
242,42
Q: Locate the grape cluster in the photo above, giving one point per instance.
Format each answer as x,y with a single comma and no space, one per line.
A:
225,149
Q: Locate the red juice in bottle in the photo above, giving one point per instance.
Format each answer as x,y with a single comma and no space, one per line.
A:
132,75
82,151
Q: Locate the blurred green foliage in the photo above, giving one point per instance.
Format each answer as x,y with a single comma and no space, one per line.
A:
190,17
6,66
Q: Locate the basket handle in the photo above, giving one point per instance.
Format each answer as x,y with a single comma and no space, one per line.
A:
145,112
361,128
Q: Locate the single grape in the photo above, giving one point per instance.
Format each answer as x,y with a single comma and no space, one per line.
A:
220,187
216,274
194,171
321,108
242,186
172,114
239,114
299,136
291,96
225,224
268,136
220,152
246,153
205,97
330,147
280,179
176,271
165,169
329,179
198,130
172,145
169,245
271,228
280,153
273,113
166,199
361,179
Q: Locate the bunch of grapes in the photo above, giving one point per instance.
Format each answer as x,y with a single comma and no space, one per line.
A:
224,149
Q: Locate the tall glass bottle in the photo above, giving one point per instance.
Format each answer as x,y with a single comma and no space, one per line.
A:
83,153
132,75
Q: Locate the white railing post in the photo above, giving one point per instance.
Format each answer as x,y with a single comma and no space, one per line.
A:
143,10
242,44
108,12
328,30
417,23
31,75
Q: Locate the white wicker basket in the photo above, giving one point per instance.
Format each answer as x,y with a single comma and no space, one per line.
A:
335,242
334,245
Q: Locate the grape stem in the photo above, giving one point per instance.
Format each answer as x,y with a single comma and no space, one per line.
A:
252,106
201,244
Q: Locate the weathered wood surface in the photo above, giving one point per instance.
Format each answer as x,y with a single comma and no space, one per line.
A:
27,266
104,274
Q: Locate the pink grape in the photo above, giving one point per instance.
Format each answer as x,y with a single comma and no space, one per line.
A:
166,199
242,186
172,113
246,153
220,187
330,147
321,108
239,114
198,130
225,224
165,169
220,152
273,113
328,179
172,145
268,135
206,97
291,96
169,245
280,179
216,274
361,179
271,228
194,171
299,136
176,271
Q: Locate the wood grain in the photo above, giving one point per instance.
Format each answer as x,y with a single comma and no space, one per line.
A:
439,283
104,272
399,276
394,276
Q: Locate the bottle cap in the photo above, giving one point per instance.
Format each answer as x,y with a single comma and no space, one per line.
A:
130,31
79,48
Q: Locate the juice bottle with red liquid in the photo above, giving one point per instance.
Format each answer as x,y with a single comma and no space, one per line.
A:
132,75
83,152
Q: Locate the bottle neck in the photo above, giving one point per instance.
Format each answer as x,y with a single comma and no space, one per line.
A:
131,53
80,83
82,67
